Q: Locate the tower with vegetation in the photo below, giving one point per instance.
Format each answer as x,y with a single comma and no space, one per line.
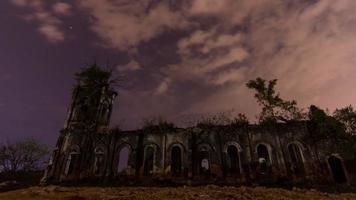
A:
92,100
88,114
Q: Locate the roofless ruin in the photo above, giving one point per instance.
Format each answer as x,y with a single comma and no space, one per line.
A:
87,150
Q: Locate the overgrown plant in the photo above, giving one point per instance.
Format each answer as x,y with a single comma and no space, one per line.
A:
328,131
347,116
240,121
92,81
219,119
158,123
274,108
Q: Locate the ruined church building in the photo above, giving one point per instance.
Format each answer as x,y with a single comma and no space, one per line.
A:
212,154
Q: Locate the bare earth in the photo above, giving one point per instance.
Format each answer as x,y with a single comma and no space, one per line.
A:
151,193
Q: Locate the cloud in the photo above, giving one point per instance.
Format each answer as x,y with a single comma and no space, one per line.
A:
163,86
49,25
124,24
208,55
308,46
133,65
19,2
218,45
208,7
228,76
62,8
52,33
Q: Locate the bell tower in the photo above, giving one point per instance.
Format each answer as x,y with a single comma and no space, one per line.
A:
92,100
88,114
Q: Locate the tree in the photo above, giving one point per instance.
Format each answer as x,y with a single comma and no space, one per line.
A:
22,156
323,126
347,116
274,108
327,131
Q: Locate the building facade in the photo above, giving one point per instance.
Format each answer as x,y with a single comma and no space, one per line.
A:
87,150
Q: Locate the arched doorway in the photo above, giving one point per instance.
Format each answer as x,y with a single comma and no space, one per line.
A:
124,156
148,161
233,160
98,161
72,160
296,158
176,161
337,169
204,161
263,159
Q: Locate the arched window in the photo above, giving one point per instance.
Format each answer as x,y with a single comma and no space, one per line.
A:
337,169
148,161
204,161
124,156
176,161
263,159
233,160
296,157
99,160
72,160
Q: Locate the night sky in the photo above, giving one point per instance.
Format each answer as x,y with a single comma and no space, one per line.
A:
178,59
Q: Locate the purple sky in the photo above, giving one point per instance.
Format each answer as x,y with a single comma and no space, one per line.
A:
178,58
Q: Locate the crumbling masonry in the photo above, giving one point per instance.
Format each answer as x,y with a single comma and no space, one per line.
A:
202,154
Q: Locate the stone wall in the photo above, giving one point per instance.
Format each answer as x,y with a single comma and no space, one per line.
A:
201,154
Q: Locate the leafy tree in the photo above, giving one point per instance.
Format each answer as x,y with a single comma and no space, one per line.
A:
274,108
347,116
22,156
323,126
328,132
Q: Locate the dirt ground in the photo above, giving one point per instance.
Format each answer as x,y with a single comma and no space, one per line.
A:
152,193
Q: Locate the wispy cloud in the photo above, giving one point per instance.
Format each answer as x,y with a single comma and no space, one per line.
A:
62,8
133,65
49,24
308,45
124,24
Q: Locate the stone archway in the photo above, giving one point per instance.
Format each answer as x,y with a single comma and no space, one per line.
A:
148,164
264,159
296,159
176,161
98,160
124,156
72,160
204,160
233,160
337,169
